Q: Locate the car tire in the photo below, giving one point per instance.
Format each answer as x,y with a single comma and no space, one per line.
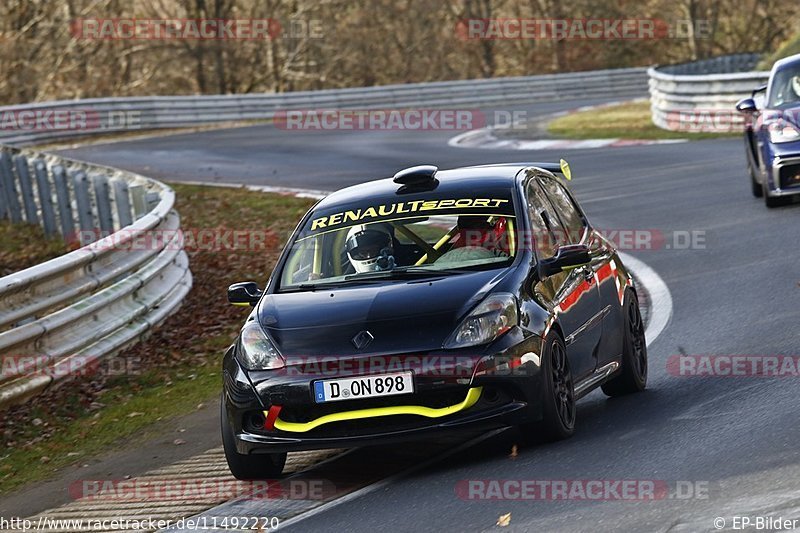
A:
558,388
248,467
758,190
771,201
632,376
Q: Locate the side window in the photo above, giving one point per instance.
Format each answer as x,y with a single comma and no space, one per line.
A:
548,233
569,214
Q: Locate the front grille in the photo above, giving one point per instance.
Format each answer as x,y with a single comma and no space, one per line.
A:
490,398
789,176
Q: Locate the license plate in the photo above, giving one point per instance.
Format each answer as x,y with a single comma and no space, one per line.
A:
333,390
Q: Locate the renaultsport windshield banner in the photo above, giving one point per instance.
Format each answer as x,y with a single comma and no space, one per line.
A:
387,211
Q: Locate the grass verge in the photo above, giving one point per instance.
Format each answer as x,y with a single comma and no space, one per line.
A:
630,120
176,368
25,245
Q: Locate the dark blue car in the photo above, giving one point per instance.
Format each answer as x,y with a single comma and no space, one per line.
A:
772,133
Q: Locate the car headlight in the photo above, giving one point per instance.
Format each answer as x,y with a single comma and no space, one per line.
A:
783,132
256,351
490,319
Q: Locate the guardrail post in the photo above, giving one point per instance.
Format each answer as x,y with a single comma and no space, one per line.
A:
80,184
123,203
25,186
45,197
103,201
9,189
4,208
151,200
139,199
64,205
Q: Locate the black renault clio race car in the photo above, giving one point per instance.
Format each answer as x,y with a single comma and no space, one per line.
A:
461,299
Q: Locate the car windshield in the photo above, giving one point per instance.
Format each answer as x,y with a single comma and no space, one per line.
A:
398,240
785,88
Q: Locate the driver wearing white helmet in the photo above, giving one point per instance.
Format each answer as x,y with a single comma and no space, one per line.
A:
369,247
796,87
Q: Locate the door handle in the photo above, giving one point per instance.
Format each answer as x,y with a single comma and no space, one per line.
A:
588,273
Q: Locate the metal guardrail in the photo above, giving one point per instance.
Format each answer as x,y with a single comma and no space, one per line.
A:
701,95
108,115
63,315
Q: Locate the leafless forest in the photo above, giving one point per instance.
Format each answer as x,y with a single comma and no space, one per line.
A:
341,43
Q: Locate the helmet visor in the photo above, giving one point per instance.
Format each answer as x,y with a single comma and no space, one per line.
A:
367,244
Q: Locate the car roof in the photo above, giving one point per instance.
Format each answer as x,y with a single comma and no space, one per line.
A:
787,62
453,181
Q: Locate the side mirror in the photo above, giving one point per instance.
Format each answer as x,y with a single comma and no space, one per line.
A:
746,105
567,257
244,293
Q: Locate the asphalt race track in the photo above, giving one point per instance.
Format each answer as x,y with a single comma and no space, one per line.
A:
738,292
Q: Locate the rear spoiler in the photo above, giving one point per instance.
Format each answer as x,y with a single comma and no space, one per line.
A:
562,167
555,168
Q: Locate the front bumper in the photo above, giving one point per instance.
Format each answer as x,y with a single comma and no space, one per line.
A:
469,399
502,416
783,169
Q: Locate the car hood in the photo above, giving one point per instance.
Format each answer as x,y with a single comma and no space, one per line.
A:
792,115
789,112
402,316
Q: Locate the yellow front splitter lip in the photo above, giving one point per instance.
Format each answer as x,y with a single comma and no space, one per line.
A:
473,395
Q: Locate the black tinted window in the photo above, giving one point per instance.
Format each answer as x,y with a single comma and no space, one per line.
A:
569,214
548,233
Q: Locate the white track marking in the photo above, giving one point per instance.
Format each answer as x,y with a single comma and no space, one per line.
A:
391,479
660,297
484,139
197,483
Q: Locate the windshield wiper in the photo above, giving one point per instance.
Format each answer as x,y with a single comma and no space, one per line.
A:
406,273
311,286
346,282
412,272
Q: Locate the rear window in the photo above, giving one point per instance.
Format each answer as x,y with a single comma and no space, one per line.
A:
340,244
